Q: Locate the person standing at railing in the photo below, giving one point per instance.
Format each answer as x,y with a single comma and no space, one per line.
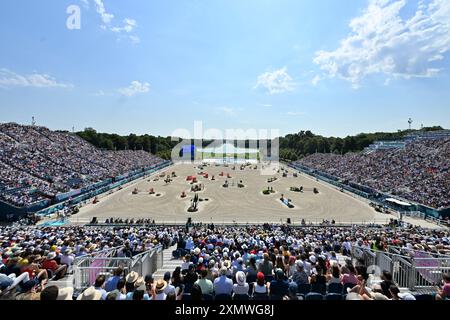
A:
111,283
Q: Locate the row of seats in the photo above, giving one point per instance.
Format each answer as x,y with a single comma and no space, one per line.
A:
332,291
312,296
265,297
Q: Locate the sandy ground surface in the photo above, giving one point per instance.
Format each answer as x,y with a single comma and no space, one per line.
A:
233,204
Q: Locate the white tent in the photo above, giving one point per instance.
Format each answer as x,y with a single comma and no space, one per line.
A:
228,148
398,202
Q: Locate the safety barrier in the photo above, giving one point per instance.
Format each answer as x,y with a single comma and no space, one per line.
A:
415,270
148,262
87,268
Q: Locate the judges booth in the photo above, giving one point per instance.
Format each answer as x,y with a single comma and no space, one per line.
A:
400,206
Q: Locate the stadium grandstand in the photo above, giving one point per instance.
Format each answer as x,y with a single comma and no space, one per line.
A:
41,167
207,262
141,259
415,170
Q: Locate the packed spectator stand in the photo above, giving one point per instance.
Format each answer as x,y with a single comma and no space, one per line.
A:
420,172
266,262
37,163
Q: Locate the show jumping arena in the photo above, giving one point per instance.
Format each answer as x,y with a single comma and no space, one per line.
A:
230,205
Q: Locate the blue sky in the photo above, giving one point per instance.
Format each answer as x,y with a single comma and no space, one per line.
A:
152,66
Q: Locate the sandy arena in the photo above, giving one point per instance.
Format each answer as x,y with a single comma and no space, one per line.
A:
232,204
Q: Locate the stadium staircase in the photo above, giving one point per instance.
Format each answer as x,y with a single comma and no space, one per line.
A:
169,263
65,282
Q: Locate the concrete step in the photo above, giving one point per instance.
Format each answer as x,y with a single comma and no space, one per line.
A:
169,263
63,283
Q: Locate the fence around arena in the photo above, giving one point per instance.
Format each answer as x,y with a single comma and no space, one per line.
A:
418,270
87,268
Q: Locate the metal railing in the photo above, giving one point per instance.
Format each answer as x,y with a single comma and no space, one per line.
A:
87,268
415,270
148,262
403,272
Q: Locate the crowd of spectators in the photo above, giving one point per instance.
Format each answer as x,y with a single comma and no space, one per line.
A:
259,262
419,172
38,163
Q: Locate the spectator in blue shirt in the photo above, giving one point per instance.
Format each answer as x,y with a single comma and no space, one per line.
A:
223,285
111,283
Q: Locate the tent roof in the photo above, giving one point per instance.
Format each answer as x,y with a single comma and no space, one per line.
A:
229,149
401,203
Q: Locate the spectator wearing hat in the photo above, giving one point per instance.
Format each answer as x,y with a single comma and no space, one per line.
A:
65,294
160,288
205,284
57,271
223,284
89,294
241,286
375,294
261,287
279,286
34,269
67,258
140,290
131,279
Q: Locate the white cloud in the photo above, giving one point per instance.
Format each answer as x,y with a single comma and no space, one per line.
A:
135,39
134,88
128,26
316,80
278,81
11,79
383,42
105,16
85,3
227,111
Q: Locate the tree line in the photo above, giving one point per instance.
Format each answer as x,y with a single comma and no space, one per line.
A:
292,146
